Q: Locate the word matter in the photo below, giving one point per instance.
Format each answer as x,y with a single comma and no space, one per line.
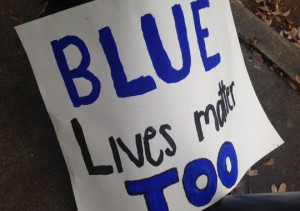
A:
225,104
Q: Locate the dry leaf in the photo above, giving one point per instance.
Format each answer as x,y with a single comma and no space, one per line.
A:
276,13
292,83
274,188
252,173
282,188
268,22
258,56
289,22
250,41
289,37
285,14
281,33
250,189
298,78
297,44
264,8
294,32
11,15
261,14
277,6
287,32
278,19
269,162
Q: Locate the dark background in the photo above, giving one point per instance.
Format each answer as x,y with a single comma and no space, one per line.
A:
33,174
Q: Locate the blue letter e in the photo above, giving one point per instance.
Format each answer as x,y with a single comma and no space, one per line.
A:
81,71
208,62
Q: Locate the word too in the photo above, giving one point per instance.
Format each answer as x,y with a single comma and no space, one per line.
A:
152,187
160,60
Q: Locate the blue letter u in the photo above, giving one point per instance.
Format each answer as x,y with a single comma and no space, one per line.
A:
159,57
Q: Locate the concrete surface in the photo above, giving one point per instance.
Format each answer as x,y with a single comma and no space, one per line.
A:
282,106
33,174
280,51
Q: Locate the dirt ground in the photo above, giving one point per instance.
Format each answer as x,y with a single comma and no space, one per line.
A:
281,15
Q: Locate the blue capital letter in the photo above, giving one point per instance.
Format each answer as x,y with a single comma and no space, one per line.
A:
208,62
81,71
152,189
123,88
159,57
228,178
193,170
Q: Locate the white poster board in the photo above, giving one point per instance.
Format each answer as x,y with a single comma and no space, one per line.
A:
150,100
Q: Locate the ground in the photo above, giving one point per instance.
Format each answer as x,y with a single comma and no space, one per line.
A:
282,15
33,174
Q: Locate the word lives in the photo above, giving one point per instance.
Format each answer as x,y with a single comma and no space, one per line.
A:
142,144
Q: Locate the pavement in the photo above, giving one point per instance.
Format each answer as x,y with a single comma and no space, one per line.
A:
266,40
33,174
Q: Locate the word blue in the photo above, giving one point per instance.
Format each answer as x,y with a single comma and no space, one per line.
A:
159,57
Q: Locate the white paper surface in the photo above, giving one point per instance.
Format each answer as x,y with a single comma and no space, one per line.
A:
178,168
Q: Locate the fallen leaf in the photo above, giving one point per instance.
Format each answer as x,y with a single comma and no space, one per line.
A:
278,19
11,15
285,14
250,41
276,13
292,84
252,173
274,188
258,56
261,14
250,189
289,37
277,6
269,162
298,78
294,32
268,22
264,8
297,44
287,32
289,21
281,33
282,188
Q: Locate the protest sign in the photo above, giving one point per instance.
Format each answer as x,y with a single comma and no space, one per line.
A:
150,100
